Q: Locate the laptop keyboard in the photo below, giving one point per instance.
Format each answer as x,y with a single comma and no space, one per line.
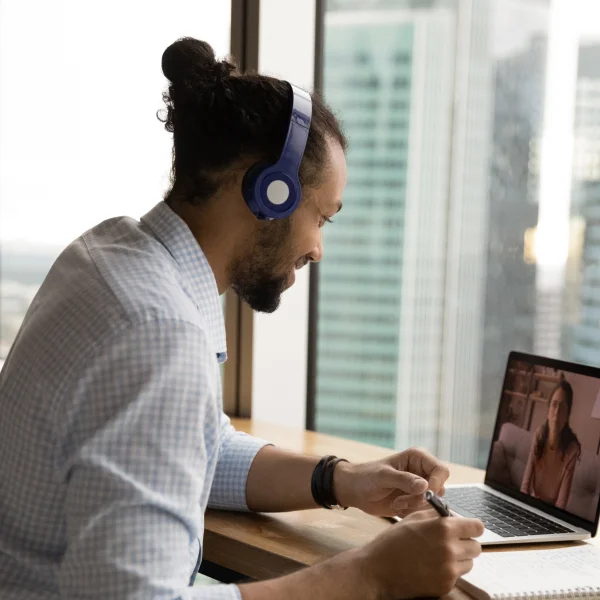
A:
498,515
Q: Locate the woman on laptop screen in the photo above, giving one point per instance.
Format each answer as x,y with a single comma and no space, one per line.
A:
554,451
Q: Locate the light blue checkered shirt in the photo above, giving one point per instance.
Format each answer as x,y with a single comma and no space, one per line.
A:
112,437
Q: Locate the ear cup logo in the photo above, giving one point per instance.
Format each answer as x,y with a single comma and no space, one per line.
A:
278,192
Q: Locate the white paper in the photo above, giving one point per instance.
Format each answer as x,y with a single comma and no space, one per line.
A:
559,572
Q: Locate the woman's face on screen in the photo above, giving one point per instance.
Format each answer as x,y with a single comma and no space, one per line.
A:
558,412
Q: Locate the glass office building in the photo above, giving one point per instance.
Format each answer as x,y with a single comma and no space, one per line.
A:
586,200
404,269
510,302
439,215
361,280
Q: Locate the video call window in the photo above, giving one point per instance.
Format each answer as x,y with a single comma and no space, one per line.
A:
547,437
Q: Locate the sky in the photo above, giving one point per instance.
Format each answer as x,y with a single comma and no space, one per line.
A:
588,18
79,137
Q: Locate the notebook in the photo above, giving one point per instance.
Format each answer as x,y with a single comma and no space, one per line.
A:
572,572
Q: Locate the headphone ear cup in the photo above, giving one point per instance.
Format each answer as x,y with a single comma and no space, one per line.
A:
249,190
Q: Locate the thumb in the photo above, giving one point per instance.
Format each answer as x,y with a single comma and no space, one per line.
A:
409,483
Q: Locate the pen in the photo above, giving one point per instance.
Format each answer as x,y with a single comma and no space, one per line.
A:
440,506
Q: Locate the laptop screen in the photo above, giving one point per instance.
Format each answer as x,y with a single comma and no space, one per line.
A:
547,438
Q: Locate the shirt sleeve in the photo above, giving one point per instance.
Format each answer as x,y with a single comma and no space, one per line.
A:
236,454
138,429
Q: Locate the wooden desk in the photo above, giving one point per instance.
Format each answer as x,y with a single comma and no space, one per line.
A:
261,546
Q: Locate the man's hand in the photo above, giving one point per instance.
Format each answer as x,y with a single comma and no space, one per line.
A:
423,555
391,486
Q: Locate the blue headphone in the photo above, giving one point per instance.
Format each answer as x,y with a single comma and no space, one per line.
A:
273,191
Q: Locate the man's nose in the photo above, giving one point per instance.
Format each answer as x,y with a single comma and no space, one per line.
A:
316,254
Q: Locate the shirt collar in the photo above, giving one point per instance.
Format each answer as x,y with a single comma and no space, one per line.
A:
172,231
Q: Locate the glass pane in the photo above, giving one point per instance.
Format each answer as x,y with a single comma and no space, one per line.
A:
79,137
368,71
461,237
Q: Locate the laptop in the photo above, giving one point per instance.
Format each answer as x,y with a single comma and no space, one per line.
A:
542,481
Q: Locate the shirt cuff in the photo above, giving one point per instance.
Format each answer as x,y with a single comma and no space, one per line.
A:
236,454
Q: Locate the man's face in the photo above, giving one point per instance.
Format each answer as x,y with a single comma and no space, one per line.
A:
269,263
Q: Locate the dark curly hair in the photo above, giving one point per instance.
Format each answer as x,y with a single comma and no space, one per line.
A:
567,435
220,117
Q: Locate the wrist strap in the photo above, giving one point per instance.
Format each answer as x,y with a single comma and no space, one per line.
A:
321,483
328,488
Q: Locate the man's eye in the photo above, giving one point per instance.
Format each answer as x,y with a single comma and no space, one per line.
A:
325,220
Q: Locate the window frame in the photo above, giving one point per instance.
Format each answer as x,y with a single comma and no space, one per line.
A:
239,317
313,289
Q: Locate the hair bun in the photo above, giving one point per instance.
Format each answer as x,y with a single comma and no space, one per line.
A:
189,61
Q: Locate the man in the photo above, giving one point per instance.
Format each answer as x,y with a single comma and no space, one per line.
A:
112,436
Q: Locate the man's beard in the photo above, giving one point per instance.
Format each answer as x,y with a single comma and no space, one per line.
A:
260,291
253,278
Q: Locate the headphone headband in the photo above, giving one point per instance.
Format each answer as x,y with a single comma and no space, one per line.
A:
274,191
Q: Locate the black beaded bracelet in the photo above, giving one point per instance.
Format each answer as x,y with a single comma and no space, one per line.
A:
321,483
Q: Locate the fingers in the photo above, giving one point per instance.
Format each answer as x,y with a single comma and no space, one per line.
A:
402,481
403,504
412,502
421,515
439,475
464,566
460,527
422,462
467,528
468,550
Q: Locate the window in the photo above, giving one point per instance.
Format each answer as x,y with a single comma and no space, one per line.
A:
79,139
471,221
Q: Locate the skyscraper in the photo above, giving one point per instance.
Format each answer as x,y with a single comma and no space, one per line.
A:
368,76
586,148
586,203
510,302
401,289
